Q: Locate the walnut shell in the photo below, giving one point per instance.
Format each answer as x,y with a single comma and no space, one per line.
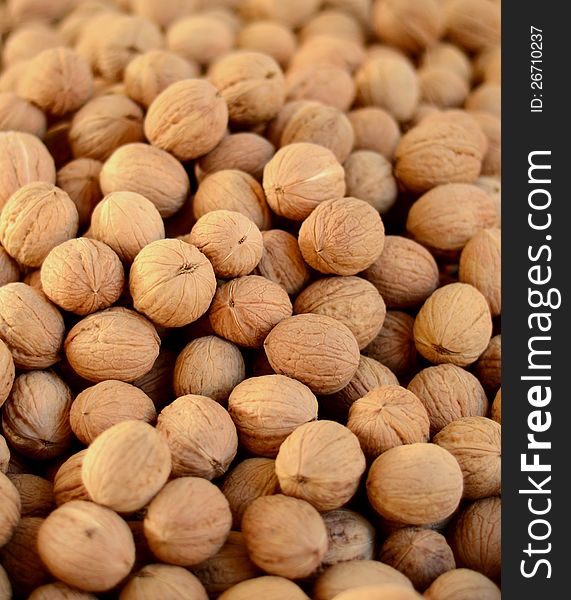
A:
10,511
148,171
68,483
126,222
448,393
369,177
351,300
342,237
284,536
80,180
160,581
442,87
35,418
491,126
103,125
379,592
101,406
334,21
59,591
350,536
246,309
450,57
172,283
82,276
486,98
345,576
386,417
5,586
496,411
448,216
37,218
475,537
480,266
415,484
235,191
405,274
329,49
245,151
115,343
473,25
282,261
475,442
187,522
165,14
208,366
462,584
314,349
7,372
188,119
201,436
267,409
293,14
268,37
17,114
4,455
269,587
158,382
376,130
9,269
150,74
303,464
28,41
86,546
276,126
454,325
228,567
36,494
301,176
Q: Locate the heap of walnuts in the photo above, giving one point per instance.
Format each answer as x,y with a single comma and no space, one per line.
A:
250,303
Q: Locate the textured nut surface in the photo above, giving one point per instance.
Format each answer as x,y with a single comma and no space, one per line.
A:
314,349
328,84
284,536
17,114
79,538
201,436
267,409
4,455
159,581
464,584
415,484
267,587
496,412
80,180
10,511
187,522
68,483
454,325
7,372
36,494
442,87
448,56
376,130
350,537
9,269
472,25
116,343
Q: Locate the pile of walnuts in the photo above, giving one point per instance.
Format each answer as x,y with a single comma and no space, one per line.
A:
250,299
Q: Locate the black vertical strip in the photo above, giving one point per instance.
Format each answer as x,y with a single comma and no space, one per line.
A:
547,252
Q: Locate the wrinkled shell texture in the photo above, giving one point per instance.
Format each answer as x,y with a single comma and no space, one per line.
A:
350,537
80,180
157,581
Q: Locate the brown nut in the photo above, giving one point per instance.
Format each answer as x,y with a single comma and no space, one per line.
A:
267,409
448,56
350,537
268,37
7,372
68,483
116,343
148,171
465,584
265,587
415,484
442,87
101,406
201,436
376,130
472,24
160,581
78,538
10,511
80,180
486,98
17,114
35,418
36,494
208,366
449,393
496,411
38,345
334,21
4,455
454,325
293,14
284,536
5,585
82,276
59,591
379,592
491,126
28,41
329,49
9,269
301,176
314,349
187,522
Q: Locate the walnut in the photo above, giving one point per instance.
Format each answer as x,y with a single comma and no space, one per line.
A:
454,325
267,409
304,459
36,494
276,126
420,554
165,14
472,24
342,237
9,269
28,41
68,483
148,171
486,98
491,126
86,545
369,177
449,393
246,309
149,74
10,511
101,406
116,343
450,57
314,349
5,585
462,583
282,261
103,125
386,417
158,382
415,484
374,592
293,14
492,186
376,130
7,372
475,537
17,114
4,455
187,522
22,11
235,191
301,176
201,436
126,222
31,327
496,411
333,21
442,87
59,590
284,536
268,37
80,180
265,587
351,537
23,159
329,49
159,581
